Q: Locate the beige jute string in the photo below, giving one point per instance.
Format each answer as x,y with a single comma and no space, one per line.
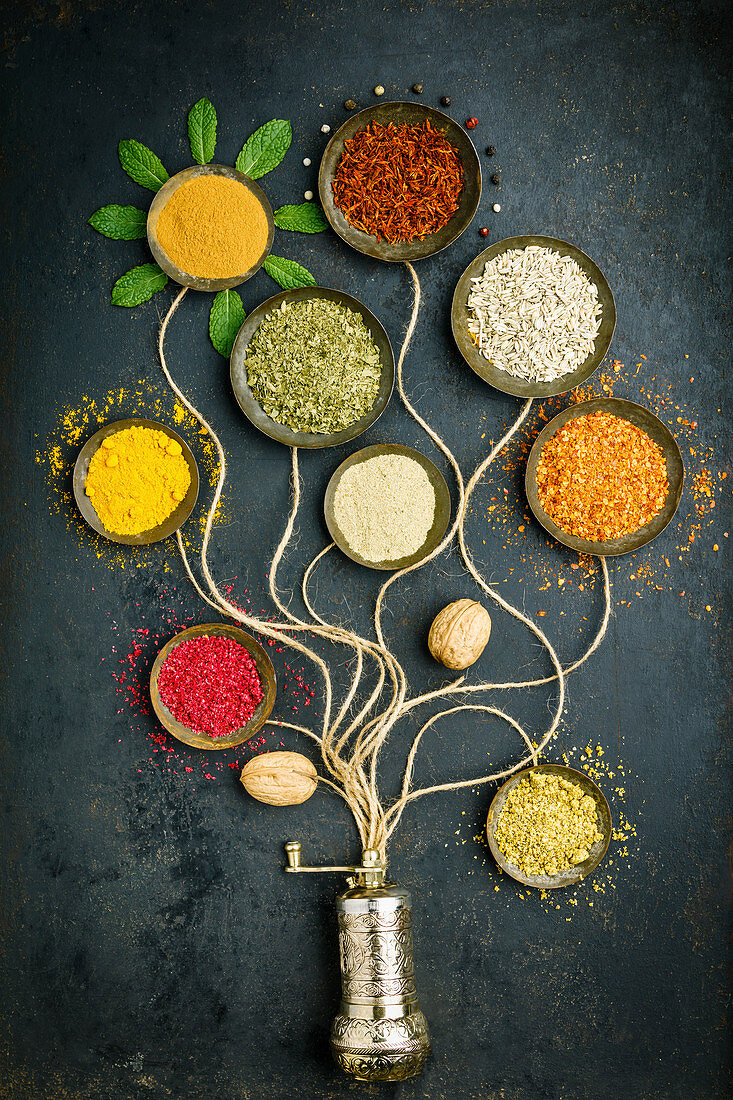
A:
350,755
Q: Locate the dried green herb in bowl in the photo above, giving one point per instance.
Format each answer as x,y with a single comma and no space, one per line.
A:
314,366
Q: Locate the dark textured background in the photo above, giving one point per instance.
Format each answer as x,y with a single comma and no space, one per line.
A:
151,944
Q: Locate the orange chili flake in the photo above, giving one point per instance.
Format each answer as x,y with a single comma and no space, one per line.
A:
398,182
601,477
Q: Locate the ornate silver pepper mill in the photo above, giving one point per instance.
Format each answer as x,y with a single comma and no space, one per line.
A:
380,1034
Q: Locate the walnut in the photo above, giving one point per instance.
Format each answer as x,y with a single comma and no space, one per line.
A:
459,634
280,778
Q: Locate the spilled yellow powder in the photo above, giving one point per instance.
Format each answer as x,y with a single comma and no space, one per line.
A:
74,424
136,480
55,460
213,228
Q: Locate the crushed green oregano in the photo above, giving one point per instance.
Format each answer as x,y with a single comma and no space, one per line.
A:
314,366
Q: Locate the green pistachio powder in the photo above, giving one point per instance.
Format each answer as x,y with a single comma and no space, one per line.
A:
313,366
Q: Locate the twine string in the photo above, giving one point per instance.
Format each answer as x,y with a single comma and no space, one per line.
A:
351,755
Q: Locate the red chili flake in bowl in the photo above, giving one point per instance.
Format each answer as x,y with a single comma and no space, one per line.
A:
210,685
601,477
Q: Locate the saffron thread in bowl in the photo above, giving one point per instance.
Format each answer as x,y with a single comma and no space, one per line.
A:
398,183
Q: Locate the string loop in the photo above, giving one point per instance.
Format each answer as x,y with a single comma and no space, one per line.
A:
350,755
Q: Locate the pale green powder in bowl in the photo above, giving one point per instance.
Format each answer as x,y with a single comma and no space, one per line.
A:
385,507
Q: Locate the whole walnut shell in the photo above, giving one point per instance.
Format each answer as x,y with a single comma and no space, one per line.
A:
459,634
280,778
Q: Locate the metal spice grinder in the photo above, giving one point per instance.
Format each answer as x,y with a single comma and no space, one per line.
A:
379,1034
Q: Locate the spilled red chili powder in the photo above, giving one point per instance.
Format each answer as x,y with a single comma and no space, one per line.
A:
210,685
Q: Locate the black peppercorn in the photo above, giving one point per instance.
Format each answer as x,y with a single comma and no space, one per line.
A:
445,101
496,178
490,150
417,89
350,105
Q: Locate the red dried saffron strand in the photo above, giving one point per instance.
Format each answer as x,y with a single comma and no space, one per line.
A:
398,183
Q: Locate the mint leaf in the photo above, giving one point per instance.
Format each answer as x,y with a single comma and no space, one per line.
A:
225,320
138,285
121,223
264,150
306,218
142,165
287,273
202,131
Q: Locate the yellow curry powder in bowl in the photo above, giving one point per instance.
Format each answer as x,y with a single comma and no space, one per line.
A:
136,480
213,227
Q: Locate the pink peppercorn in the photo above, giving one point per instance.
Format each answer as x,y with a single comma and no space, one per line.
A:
484,231
471,123
210,685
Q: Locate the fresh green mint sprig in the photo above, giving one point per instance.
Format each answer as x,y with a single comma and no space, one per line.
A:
138,285
308,217
263,151
287,273
142,165
202,131
120,223
225,320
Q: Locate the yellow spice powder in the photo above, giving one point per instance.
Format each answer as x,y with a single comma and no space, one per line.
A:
137,478
546,825
213,227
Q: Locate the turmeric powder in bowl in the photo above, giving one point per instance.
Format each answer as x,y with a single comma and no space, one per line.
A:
213,227
136,480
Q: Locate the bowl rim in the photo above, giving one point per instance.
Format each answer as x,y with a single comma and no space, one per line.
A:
81,468
366,243
251,407
265,671
442,505
658,432
501,380
579,871
197,282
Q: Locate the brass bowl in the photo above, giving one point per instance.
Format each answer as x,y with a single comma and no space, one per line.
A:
265,672
161,257
574,874
646,420
442,505
175,520
251,407
501,379
401,114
